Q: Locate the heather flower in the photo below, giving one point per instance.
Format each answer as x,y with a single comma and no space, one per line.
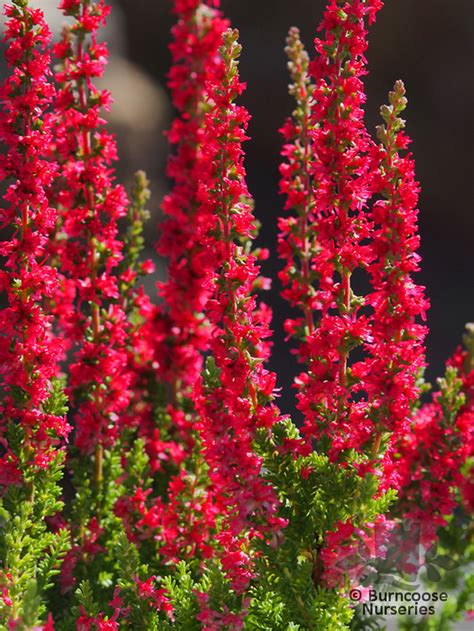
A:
89,249
327,179
157,598
396,348
431,456
213,621
33,427
94,303
139,310
196,39
355,226
333,169
174,334
29,352
234,399
296,184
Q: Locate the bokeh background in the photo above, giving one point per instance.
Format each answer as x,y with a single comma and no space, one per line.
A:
427,43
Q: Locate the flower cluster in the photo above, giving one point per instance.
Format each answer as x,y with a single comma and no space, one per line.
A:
96,297
211,619
296,239
349,551
197,37
328,179
355,228
90,205
463,362
181,521
33,427
29,353
234,398
397,353
432,455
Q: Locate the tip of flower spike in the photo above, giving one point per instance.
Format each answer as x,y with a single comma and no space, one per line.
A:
294,46
230,37
397,97
399,87
391,116
293,38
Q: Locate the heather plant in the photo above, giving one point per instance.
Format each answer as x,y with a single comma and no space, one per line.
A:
148,479
33,427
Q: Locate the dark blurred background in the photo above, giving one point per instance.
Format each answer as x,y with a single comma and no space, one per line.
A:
427,43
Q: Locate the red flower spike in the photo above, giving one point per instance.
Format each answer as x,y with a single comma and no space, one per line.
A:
194,50
29,353
177,332
89,307
332,173
235,396
432,454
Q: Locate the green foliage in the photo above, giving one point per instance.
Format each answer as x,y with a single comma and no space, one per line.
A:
142,615
31,553
94,503
319,609
315,494
181,587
